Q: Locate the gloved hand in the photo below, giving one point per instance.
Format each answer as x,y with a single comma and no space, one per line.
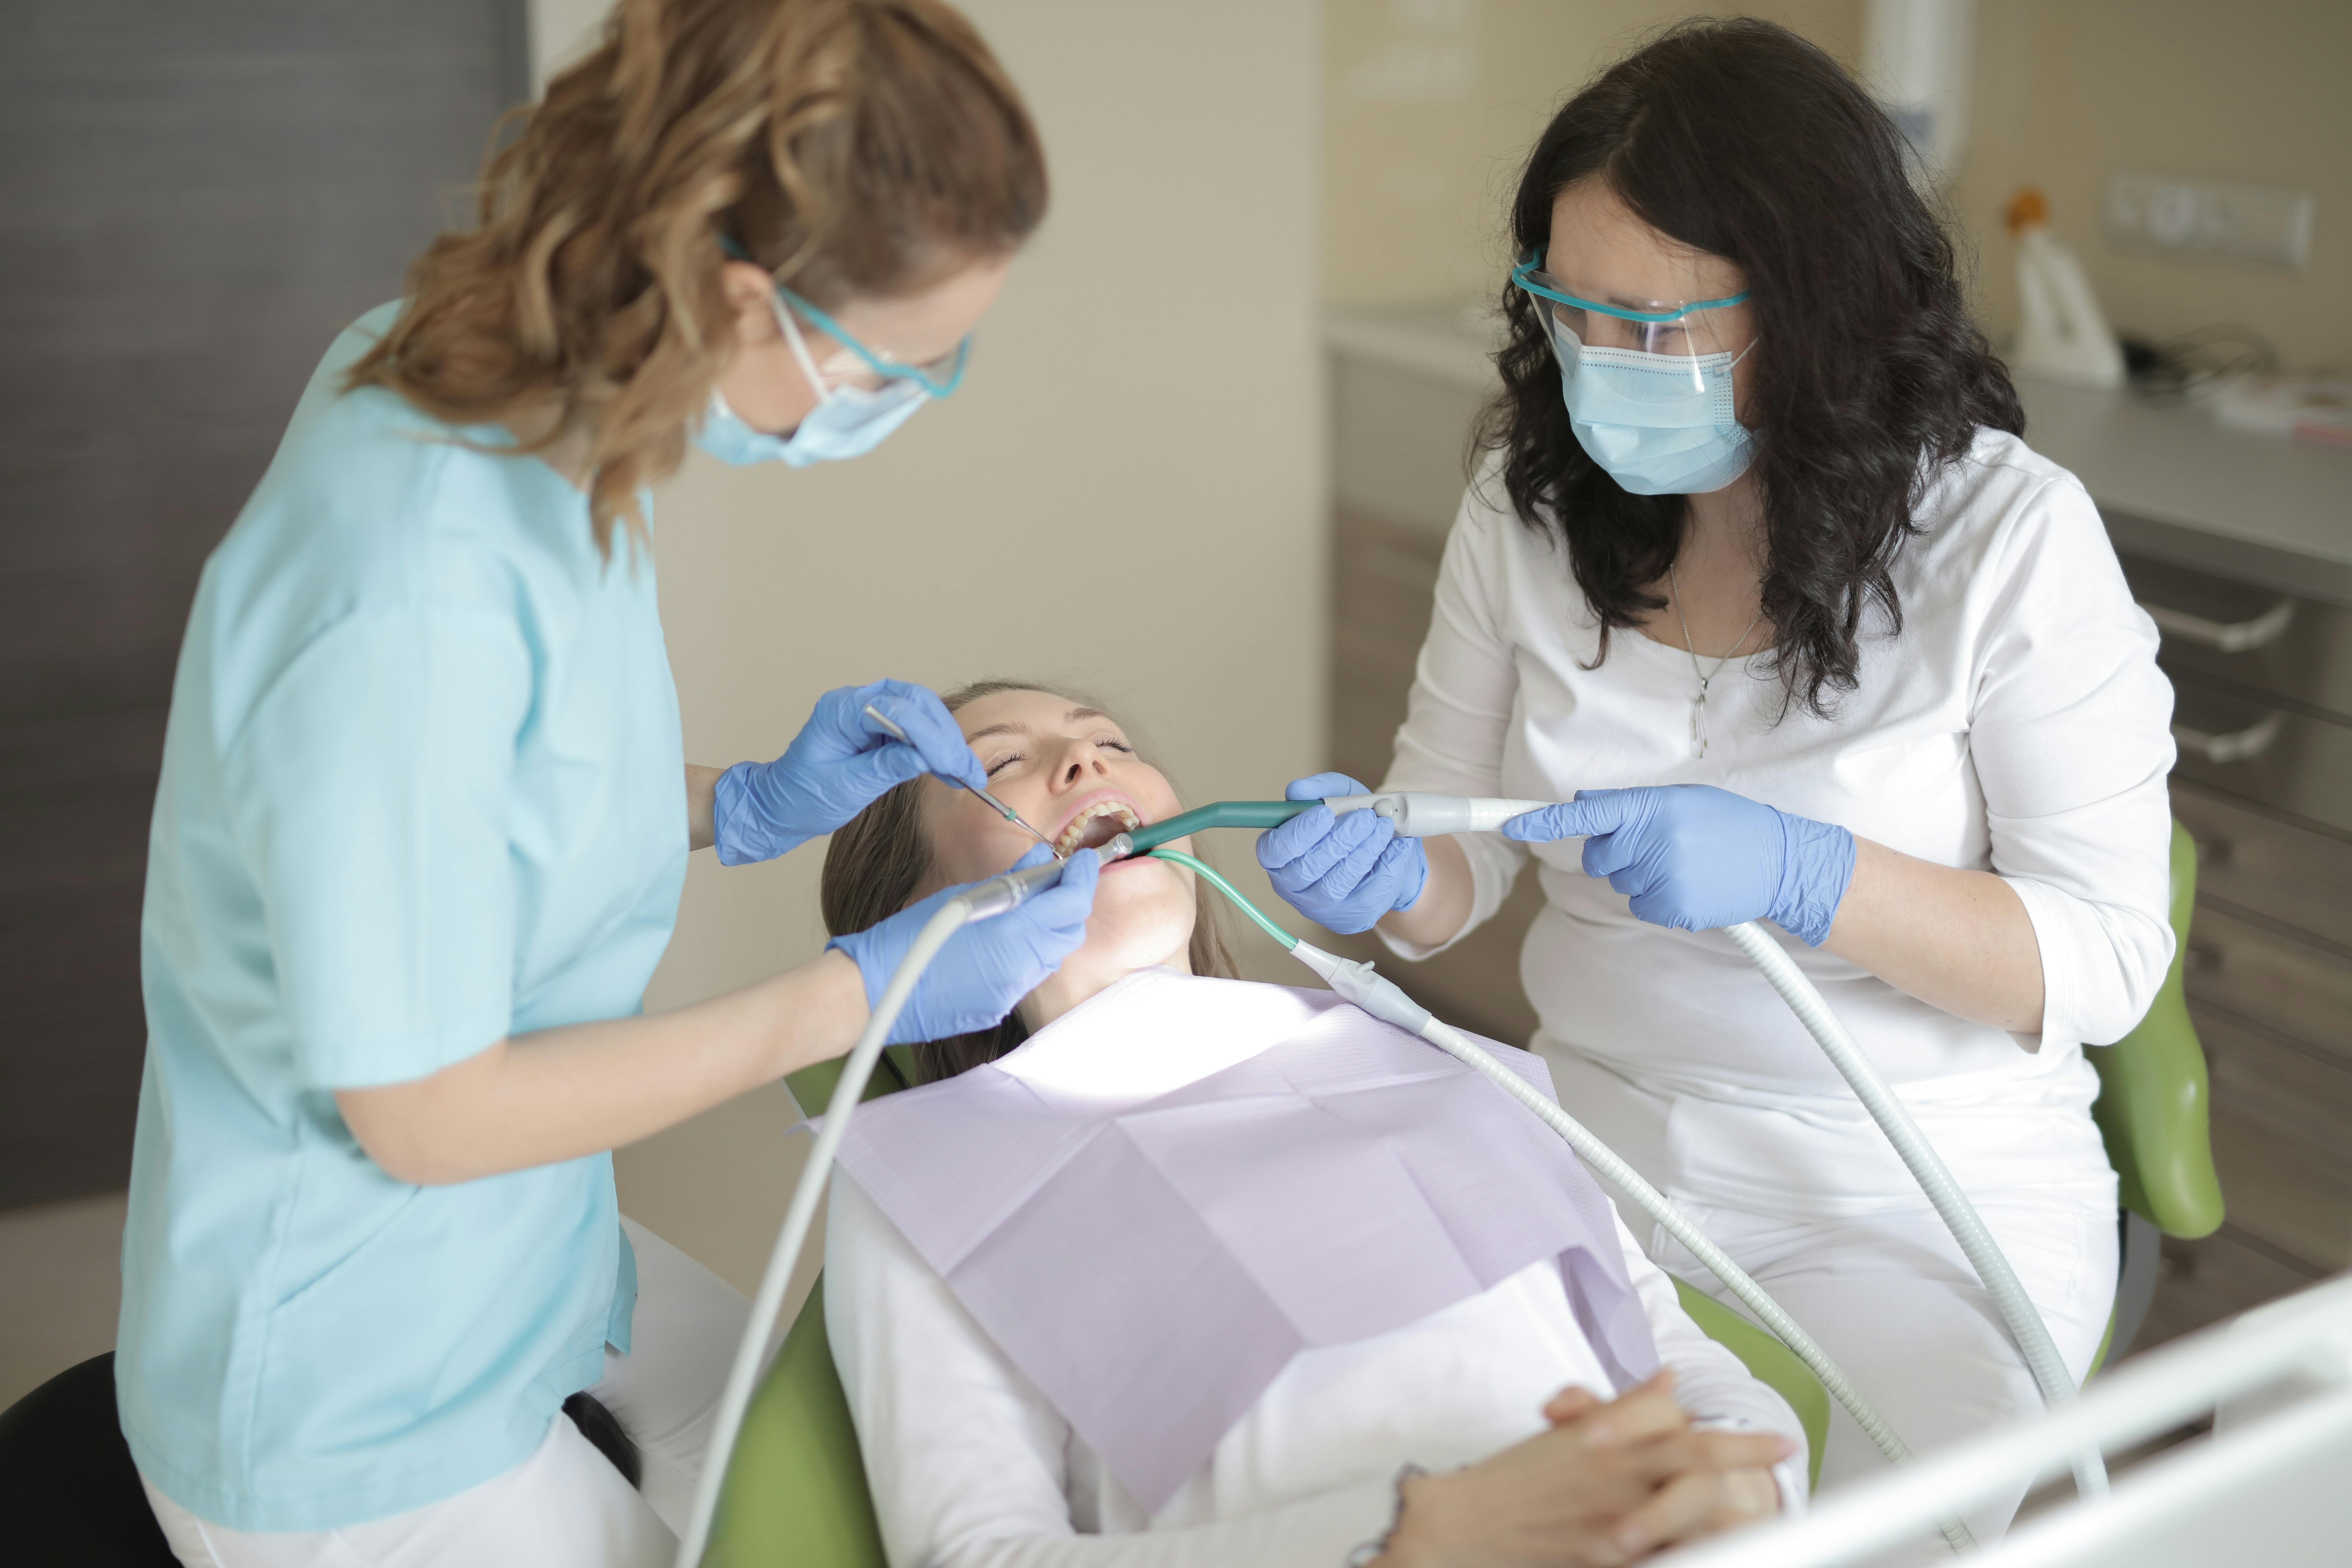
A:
837,765
1699,859
985,968
1343,872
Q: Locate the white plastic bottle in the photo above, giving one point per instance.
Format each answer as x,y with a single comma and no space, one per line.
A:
2063,335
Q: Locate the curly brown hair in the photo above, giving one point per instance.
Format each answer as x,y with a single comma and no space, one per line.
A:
875,865
854,148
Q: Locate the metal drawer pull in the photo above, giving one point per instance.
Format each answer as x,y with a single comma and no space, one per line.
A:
2236,745
2228,636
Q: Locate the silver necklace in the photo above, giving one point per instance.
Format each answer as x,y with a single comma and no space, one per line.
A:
1705,677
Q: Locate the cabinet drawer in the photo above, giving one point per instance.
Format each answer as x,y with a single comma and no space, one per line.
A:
2281,1140
2302,989
2297,1101
2272,645
2256,862
2216,1277
2291,762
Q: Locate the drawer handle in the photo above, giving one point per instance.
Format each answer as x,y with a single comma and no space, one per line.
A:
2228,636
2232,746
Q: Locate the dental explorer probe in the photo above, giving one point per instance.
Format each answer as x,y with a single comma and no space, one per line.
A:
890,728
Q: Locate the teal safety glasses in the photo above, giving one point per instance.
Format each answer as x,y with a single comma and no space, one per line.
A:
1685,329
937,378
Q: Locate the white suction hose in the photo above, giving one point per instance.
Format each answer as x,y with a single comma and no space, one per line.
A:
1984,1255
1379,996
752,1354
1424,816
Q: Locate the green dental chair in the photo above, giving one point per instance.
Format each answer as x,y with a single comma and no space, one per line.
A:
795,1491
2153,1111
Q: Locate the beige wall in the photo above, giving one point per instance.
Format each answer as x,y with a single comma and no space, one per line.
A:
2254,90
1429,105
1126,494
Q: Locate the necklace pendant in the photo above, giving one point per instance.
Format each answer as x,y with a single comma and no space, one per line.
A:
1698,725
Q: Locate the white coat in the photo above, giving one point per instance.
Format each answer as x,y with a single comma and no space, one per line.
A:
2017,723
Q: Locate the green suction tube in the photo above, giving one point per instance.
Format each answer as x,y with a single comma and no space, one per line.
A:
1223,814
1209,873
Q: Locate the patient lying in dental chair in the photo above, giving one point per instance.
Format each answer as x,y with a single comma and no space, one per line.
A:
1170,1268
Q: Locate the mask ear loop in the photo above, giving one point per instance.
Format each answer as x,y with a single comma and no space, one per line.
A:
791,331
1699,377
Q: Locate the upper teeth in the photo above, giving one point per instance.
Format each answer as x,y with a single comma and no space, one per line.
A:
1078,825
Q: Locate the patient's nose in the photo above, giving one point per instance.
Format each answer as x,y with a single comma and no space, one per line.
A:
1080,762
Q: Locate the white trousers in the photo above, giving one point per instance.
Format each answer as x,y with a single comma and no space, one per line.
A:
1884,1287
564,1505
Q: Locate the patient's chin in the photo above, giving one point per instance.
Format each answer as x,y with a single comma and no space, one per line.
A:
1139,920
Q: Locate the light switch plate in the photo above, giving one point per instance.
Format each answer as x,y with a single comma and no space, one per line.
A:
2200,219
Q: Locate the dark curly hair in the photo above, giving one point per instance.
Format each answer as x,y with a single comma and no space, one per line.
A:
1742,140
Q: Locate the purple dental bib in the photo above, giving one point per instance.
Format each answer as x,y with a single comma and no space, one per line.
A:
1164,1195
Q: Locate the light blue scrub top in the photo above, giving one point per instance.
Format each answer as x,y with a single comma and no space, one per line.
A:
422,789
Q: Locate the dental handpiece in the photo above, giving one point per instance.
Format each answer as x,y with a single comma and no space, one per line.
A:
1416,815
890,728
1008,890
1419,815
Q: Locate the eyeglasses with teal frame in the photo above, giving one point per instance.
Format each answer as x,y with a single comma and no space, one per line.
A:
938,378
1528,274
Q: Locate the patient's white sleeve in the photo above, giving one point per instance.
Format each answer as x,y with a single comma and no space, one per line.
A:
968,1465
971,1467
1710,1383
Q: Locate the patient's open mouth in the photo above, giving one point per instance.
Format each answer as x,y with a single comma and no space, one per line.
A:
1097,826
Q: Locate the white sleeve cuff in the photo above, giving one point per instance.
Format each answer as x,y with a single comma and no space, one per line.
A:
2101,963
1788,1475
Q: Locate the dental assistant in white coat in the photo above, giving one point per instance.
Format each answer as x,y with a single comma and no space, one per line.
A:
425,813
1760,573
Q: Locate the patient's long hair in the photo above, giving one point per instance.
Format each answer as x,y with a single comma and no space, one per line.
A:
876,863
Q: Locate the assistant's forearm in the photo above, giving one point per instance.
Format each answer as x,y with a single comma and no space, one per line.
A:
1960,941
558,1094
701,797
1438,916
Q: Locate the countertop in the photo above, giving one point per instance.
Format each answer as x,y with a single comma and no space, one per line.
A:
2169,479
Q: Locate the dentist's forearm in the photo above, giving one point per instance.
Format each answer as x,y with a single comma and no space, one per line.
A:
557,1094
1960,941
701,806
1438,916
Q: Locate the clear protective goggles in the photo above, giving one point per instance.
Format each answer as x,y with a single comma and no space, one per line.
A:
854,364
1694,330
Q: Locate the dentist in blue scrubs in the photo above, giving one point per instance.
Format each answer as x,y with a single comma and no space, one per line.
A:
425,813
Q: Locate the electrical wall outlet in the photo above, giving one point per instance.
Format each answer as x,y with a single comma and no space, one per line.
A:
2225,220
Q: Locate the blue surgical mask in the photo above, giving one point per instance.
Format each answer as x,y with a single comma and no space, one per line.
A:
1660,423
848,422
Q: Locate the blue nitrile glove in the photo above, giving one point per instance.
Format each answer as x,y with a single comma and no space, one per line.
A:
985,968
1699,857
837,766
1343,872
